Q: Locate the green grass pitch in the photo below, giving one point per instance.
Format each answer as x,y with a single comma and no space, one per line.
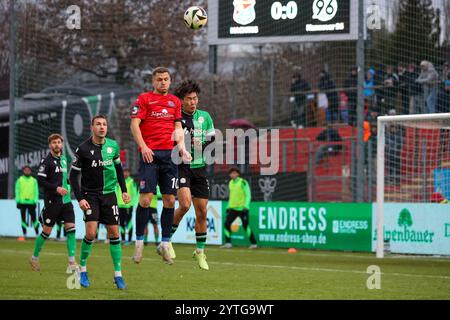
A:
238,273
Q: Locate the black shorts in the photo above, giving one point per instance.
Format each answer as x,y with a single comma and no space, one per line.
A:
103,208
28,207
162,171
56,213
195,179
125,214
153,217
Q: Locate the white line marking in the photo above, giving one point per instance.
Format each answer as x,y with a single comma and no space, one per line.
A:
254,265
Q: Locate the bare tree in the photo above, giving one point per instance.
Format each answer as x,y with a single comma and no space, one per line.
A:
4,50
446,13
117,41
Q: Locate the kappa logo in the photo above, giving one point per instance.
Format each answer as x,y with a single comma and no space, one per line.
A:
171,104
201,120
92,152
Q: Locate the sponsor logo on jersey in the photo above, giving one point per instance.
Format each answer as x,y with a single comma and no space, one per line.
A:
100,163
163,114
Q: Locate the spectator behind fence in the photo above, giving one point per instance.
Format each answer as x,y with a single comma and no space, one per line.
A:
371,118
414,90
327,84
445,73
352,83
328,134
298,87
369,91
393,147
443,104
429,79
389,91
403,89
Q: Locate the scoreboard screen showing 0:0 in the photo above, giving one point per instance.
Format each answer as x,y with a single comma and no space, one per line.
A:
264,18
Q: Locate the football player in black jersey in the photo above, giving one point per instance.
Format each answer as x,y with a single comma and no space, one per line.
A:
52,178
98,161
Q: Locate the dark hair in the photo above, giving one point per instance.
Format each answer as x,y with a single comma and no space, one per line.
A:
55,136
234,169
186,87
26,166
160,70
100,116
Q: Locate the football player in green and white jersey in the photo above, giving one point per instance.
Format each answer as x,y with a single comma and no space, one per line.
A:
193,182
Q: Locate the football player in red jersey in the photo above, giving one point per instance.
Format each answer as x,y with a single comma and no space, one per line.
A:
155,125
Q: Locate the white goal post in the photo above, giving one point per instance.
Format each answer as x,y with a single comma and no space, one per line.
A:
417,120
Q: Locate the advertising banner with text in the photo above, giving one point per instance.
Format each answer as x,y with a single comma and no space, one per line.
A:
417,228
327,226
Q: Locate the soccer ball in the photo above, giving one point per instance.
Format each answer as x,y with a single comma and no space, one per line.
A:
195,17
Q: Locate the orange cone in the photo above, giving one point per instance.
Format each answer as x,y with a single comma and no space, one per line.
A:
292,250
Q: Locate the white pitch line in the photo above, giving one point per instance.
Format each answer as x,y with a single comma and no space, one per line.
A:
355,255
258,266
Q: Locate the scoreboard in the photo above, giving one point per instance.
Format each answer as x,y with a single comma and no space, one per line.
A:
266,21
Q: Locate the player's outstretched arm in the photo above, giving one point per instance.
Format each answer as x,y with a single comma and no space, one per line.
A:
147,153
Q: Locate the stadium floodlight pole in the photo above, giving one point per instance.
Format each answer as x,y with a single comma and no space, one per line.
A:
381,124
12,94
360,105
212,63
271,91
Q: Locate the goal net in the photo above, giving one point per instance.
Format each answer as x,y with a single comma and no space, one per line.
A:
413,183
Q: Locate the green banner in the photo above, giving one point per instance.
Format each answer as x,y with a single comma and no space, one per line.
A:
327,226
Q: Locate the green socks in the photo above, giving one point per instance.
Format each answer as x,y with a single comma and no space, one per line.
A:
86,247
116,253
71,242
201,240
40,240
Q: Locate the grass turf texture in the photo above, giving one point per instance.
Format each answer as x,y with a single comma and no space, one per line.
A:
237,273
